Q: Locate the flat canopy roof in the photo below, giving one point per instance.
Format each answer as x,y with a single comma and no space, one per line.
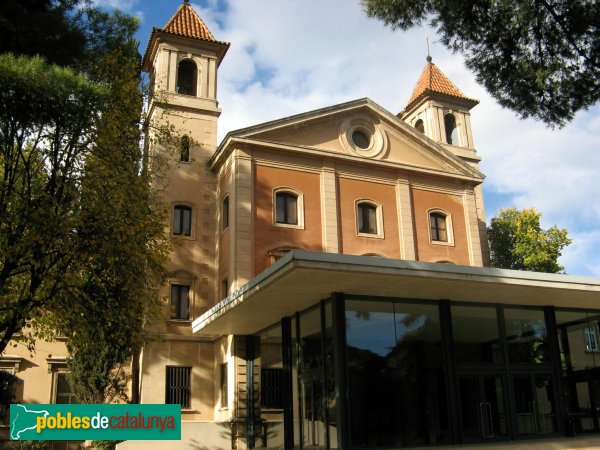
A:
301,279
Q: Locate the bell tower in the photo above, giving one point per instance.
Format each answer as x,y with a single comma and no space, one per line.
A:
438,109
182,60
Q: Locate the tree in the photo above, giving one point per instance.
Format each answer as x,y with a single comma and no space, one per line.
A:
540,58
43,144
517,241
82,244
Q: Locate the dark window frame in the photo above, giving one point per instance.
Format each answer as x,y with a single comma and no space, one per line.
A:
178,386
225,213
182,227
283,208
224,384
176,310
437,232
363,218
271,388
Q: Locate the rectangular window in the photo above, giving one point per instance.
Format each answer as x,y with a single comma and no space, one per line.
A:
225,213
367,218
64,392
182,221
224,386
8,387
271,389
286,208
180,302
591,339
438,227
224,288
179,390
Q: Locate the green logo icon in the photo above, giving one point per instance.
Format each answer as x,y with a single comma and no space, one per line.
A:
95,422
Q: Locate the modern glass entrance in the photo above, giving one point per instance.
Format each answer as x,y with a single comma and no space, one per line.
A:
392,373
483,406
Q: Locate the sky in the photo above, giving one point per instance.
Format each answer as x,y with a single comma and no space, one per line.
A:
289,56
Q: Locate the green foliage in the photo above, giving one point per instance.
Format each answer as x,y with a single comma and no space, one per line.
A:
105,445
517,241
539,58
82,243
43,143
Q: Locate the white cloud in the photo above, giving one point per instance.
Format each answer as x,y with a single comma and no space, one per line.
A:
290,57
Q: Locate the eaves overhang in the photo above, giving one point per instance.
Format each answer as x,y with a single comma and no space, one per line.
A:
301,279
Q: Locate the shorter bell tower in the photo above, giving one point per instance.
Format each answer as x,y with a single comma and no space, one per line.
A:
438,109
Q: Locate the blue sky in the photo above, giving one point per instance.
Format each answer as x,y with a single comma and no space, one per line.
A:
287,57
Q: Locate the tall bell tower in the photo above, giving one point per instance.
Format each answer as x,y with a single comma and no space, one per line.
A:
182,60
439,110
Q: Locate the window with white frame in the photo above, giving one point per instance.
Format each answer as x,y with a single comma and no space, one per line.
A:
590,335
369,219
288,208
440,227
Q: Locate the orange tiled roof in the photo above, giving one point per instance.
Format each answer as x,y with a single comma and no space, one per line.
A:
432,79
185,22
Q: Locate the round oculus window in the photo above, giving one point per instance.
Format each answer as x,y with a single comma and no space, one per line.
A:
361,139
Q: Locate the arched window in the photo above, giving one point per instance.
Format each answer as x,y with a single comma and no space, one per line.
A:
184,151
438,225
366,214
286,208
225,212
451,130
182,220
420,126
187,75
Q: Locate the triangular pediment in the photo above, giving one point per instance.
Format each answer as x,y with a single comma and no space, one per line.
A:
331,131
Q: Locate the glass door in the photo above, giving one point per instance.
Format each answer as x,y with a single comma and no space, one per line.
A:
534,403
313,419
482,406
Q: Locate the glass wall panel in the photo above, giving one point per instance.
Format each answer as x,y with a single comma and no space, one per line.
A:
580,357
578,335
476,336
330,376
397,391
295,389
526,336
312,390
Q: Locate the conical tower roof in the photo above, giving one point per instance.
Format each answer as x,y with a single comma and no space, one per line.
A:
187,24
433,81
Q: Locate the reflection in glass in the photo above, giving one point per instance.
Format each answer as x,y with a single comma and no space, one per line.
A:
312,397
578,334
397,390
476,336
526,336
